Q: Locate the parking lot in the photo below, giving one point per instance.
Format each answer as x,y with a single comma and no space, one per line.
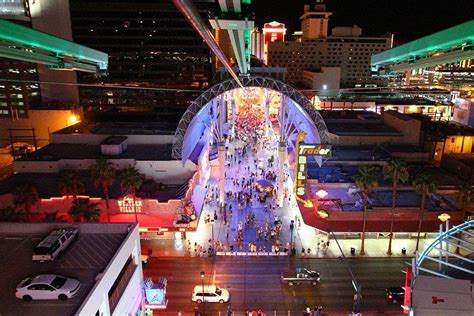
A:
85,258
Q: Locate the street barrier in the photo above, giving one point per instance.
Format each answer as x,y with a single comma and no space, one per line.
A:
253,254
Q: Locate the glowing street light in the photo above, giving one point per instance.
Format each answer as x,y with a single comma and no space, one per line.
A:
203,301
73,119
444,217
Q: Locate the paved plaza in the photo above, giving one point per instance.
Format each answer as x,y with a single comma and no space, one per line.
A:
259,228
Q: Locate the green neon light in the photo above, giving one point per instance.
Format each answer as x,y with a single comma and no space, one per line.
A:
26,36
246,1
454,36
247,42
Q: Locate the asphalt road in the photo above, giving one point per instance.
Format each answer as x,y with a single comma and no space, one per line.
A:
254,283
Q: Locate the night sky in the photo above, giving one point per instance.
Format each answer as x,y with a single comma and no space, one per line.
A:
407,19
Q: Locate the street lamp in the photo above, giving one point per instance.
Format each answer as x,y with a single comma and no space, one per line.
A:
212,230
356,307
203,296
292,226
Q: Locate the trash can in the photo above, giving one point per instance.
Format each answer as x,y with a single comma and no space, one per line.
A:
353,251
404,251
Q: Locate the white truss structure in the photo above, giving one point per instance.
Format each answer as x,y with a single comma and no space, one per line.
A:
252,81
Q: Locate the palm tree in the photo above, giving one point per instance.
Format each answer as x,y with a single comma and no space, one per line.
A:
103,175
424,184
366,180
11,214
53,217
130,181
82,210
26,196
397,171
71,183
464,197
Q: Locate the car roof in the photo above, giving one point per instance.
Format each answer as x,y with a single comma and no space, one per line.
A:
43,278
208,288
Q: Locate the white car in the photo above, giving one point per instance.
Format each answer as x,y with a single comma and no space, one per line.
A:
210,293
47,287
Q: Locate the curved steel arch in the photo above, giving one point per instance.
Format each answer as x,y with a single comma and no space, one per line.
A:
437,244
230,84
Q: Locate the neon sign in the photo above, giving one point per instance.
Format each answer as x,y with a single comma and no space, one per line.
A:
130,205
304,150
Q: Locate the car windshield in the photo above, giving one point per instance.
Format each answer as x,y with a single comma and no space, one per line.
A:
41,251
58,282
26,282
218,291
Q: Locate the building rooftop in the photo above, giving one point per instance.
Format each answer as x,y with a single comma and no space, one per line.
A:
398,115
83,260
356,122
55,152
121,128
359,128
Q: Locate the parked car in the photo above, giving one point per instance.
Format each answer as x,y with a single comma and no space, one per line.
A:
47,287
210,294
395,294
301,276
56,242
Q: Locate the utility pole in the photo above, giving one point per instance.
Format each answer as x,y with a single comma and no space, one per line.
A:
356,307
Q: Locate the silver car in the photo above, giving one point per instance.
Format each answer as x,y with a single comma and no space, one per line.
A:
47,287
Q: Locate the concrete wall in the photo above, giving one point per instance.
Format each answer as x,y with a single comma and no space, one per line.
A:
43,121
327,81
168,172
95,139
359,140
53,17
410,128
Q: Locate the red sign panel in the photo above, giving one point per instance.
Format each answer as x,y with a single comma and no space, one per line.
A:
407,299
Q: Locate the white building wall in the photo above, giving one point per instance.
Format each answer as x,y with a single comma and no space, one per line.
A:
95,139
97,300
132,296
52,17
168,172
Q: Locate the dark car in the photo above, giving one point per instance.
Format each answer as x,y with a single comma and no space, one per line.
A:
395,294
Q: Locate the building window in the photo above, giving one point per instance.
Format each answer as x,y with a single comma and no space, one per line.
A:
121,283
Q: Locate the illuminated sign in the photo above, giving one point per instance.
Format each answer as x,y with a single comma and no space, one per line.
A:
130,205
304,150
314,149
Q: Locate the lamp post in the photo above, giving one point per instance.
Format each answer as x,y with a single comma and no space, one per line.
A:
212,231
292,226
356,307
203,296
